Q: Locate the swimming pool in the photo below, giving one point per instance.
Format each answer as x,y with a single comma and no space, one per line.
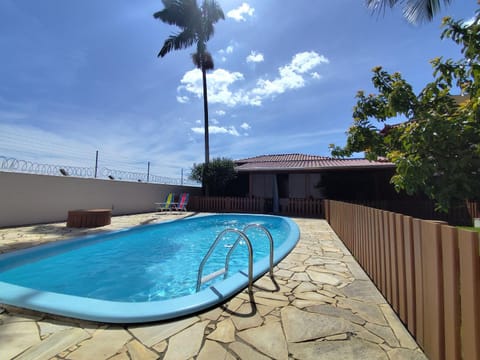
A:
141,274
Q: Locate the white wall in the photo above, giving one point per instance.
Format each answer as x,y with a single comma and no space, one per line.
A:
33,199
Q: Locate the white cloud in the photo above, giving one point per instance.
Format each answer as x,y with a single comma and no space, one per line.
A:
182,99
230,130
237,14
291,75
245,126
220,82
220,112
214,121
255,57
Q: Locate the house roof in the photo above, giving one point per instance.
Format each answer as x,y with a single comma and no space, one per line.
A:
302,162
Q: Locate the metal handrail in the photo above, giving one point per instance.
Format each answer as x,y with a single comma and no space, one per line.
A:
270,239
243,236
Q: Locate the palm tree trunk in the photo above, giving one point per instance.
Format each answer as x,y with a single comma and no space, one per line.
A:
207,142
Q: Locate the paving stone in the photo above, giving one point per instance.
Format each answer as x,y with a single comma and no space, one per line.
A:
138,351
55,344
385,332
270,295
286,274
212,314
150,335
334,290
338,312
264,309
305,287
301,268
362,333
314,296
225,332
103,344
323,278
17,337
187,343
269,301
302,326
269,339
356,270
401,354
212,351
245,319
161,346
352,349
245,352
302,304
233,304
300,277
337,337
403,336
367,311
364,291
51,327
121,356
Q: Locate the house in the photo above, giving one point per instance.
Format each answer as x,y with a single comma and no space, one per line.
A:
287,176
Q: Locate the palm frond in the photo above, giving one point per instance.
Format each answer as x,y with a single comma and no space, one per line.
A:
179,41
380,5
416,11
182,13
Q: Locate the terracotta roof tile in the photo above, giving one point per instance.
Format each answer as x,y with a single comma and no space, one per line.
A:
304,162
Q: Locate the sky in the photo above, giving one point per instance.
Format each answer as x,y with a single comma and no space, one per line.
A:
78,77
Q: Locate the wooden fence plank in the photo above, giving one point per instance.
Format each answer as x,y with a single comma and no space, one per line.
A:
393,261
409,273
451,292
469,261
402,291
388,256
419,307
434,335
383,251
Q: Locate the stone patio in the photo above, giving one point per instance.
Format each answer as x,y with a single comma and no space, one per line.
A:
322,307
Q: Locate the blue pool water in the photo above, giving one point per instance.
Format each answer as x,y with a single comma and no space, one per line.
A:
141,274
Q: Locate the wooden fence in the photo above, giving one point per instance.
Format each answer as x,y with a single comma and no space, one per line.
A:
428,271
290,207
461,213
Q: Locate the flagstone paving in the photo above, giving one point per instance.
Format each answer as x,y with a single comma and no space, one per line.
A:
321,306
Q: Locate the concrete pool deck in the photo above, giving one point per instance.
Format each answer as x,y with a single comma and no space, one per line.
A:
323,307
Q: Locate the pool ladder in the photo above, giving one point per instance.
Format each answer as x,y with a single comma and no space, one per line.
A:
241,236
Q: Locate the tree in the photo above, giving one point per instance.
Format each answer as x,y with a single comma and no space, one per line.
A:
437,151
197,27
415,11
219,175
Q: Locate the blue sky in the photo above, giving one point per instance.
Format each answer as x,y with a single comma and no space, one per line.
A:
81,76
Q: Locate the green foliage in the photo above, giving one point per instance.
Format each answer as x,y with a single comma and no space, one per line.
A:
437,151
219,175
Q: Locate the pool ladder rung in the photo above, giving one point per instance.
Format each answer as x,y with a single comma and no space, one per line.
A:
213,275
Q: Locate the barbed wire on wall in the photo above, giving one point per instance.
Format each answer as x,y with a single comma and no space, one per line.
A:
24,166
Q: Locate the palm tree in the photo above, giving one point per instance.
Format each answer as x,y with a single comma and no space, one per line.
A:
415,11
196,25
